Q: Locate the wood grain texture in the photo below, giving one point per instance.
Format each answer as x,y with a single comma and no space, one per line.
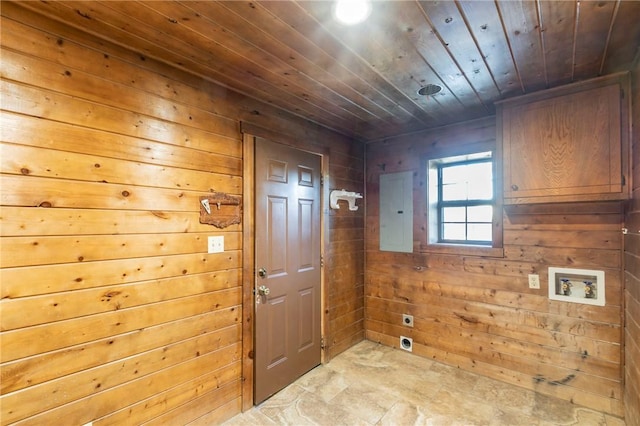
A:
632,274
477,312
567,146
105,155
361,81
113,126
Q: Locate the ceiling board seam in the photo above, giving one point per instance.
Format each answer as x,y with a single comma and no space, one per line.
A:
475,41
257,75
575,40
453,59
541,30
419,114
280,60
346,70
348,87
606,45
506,36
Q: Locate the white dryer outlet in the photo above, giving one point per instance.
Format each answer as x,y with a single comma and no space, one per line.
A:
406,343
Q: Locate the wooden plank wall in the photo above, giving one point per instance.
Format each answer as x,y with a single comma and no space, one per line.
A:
111,309
344,273
478,313
632,271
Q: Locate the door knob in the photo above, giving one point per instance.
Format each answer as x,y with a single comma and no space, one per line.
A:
263,290
262,273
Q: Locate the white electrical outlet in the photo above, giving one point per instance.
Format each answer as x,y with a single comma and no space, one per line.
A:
407,320
534,281
215,244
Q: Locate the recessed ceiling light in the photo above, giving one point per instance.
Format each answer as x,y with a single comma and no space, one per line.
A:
429,89
351,12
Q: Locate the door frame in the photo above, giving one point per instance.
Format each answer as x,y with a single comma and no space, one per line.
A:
249,134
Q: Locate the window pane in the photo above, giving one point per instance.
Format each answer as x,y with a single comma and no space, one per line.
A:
468,181
454,174
479,231
462,183
480,181
454,214
479,172
452,192
480,214
454,231
480,190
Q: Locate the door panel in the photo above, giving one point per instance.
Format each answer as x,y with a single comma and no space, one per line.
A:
305,330
287,327
277,341
277,242
305,239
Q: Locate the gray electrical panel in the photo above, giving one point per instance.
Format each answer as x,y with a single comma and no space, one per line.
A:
396,212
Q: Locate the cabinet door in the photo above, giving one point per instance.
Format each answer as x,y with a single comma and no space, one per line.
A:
566,148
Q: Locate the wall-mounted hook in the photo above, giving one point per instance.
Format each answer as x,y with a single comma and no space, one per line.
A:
348,196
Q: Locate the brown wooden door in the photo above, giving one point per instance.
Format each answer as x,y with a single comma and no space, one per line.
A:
287,327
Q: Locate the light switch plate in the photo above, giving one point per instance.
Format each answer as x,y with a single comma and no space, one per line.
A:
534,281
215,244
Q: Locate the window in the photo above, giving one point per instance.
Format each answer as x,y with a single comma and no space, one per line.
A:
461,198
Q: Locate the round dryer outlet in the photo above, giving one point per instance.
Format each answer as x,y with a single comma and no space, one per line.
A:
406,343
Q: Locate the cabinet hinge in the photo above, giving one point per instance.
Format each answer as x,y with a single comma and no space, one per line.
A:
322,261
624,180
321,342
321,180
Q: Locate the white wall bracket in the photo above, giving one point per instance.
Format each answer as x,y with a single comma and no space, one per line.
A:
341,194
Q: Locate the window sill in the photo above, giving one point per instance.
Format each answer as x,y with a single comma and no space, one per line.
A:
462,250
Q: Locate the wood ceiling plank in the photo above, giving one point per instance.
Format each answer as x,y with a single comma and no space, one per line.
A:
485,25
362,80
177,83
257,26
377,42
452,29
421,34
594,22
624,39
239,59
325,39
520,20
102,21
410,68
211,21
558,22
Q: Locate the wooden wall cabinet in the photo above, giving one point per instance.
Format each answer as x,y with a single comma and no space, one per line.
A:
568,144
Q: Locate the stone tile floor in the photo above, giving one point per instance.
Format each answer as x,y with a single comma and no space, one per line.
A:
371,384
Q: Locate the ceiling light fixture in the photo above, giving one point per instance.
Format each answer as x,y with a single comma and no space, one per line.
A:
351,12
429,89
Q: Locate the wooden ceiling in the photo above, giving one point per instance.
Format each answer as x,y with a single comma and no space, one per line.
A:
363,80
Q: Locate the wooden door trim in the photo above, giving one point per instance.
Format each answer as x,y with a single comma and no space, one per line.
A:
248,254
248,267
